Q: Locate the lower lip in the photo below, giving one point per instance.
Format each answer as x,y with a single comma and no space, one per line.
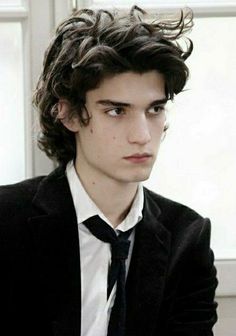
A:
137,159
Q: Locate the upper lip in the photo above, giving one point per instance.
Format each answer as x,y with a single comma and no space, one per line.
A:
138,155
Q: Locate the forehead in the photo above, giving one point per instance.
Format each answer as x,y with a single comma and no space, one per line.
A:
129,86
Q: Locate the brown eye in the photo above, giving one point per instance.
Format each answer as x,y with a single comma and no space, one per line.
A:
115,112
156,110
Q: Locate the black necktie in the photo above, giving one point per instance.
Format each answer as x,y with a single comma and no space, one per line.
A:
119,253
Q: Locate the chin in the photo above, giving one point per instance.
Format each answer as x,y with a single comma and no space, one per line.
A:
133,176
140,177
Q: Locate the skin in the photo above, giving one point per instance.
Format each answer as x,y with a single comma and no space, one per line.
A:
118,148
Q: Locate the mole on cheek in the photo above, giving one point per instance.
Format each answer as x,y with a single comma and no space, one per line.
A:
91,130
114,138
93,183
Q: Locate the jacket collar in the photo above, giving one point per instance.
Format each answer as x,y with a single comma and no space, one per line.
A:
53,196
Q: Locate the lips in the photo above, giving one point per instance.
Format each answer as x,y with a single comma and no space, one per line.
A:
138,157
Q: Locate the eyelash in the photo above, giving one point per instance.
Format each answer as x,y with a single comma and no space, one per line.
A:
159,108
120,109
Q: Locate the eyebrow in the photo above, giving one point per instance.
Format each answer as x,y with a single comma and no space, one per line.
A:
108,102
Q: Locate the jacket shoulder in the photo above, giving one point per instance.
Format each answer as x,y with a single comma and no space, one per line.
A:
14,197
170,207
176,217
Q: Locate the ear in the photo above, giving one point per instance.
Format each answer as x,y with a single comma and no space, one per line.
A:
71,123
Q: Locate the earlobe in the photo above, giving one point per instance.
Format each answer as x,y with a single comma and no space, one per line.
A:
63,107
70,122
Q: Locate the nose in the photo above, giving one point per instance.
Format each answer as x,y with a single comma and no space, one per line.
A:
139,131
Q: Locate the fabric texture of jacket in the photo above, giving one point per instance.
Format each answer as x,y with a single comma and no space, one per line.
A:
171,281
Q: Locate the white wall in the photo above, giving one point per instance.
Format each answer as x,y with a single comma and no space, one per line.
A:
226,325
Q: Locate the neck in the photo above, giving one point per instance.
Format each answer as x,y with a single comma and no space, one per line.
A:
113,198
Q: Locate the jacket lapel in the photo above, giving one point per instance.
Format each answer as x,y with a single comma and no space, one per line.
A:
57,267
146,278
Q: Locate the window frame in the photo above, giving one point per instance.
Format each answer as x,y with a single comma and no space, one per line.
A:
39,12
30,14
21,14
206,9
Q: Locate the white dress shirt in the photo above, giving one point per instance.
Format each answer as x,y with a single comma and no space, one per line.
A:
95,256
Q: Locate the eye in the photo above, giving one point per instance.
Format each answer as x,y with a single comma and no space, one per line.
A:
156,109
115,112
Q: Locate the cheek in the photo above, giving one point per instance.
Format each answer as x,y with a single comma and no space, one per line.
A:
99,139
157,130
108,136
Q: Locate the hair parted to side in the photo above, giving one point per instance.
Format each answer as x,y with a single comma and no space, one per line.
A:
92,45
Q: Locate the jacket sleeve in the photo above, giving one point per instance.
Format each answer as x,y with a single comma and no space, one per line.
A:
193,312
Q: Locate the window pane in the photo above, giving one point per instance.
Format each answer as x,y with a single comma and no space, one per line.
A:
197,161
12,161
10,3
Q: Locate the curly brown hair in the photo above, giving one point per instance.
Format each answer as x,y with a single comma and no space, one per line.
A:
92,45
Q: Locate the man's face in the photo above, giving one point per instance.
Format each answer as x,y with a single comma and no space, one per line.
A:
124,133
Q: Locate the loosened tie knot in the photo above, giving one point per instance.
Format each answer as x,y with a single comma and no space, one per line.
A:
120,249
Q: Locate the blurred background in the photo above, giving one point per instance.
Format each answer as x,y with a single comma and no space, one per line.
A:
197,161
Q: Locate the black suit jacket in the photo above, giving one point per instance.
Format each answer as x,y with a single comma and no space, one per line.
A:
171,281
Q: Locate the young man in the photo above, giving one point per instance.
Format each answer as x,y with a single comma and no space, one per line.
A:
88,250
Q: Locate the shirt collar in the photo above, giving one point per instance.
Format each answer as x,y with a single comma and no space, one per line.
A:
86,208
